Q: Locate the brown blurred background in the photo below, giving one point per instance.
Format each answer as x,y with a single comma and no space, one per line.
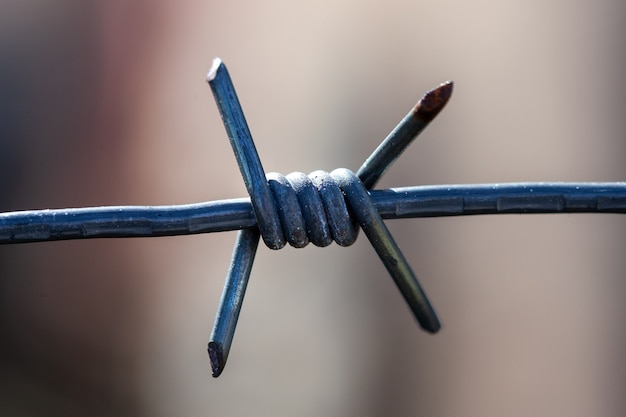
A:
104,102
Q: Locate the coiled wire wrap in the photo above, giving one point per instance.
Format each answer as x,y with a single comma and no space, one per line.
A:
312,209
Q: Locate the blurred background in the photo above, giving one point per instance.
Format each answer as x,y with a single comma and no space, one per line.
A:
105,103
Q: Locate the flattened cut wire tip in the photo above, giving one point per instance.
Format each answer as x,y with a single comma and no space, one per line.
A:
317,208
217,62
429,106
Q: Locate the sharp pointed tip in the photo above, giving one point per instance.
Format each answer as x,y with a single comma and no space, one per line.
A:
216,357
429,321
432,327
434,101
444,90
215,66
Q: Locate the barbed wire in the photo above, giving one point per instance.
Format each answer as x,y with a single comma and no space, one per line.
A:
319,208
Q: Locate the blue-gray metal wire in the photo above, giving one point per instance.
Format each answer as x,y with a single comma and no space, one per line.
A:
236,214
318,208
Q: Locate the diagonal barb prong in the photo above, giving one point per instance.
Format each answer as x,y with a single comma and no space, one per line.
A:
318,208
227,316
385,246
246,154
401,137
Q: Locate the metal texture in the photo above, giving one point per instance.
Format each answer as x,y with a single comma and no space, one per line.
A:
232,297
426,109
234,214
312,210
319,208
247,157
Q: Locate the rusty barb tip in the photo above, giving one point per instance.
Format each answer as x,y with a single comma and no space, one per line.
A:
429,106
217,63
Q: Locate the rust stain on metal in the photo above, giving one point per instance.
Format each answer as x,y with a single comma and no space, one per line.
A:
429,106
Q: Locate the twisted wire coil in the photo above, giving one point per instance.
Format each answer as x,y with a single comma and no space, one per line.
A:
312,208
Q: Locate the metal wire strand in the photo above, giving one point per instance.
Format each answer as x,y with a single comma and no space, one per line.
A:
47,225
246,154
385,246
416,120
232,297
317,208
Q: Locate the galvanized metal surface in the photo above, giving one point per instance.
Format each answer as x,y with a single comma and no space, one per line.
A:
318,208
234,214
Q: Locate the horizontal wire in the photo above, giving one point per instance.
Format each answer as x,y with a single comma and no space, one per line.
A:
236,214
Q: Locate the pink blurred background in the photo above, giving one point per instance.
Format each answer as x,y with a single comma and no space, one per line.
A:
105,103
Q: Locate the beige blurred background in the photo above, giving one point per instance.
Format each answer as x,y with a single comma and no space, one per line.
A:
104,103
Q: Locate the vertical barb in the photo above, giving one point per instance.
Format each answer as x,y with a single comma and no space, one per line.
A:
232,298
426,109
265,209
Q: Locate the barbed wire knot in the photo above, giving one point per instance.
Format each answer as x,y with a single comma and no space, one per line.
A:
318,208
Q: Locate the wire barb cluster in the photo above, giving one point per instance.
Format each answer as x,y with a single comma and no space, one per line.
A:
319,208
